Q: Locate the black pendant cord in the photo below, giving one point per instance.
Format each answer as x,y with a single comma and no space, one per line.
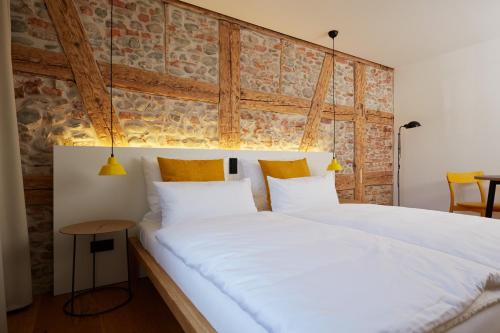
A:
333,98
111,79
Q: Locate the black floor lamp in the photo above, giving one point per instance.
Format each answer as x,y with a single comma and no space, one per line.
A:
411,124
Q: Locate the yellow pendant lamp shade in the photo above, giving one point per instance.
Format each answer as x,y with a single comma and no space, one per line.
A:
112,168
334,165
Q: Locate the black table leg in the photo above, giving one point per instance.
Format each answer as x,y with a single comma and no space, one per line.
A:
491,198
128,265
93,267
73,276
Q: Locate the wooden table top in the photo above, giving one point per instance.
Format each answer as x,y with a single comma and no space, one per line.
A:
489,177
97,227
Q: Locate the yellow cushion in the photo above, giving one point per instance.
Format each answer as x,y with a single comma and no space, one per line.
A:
173,170
283,170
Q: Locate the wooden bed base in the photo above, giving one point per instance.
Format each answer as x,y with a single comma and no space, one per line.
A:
183,309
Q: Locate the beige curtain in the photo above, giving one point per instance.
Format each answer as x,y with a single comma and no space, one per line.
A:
3,308
13,225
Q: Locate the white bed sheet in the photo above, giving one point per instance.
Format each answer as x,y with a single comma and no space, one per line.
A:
222,312
225,315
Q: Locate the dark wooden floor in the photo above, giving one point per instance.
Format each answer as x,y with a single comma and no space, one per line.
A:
145,313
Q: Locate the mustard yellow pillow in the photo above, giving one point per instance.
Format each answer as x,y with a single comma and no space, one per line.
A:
283,170
173,170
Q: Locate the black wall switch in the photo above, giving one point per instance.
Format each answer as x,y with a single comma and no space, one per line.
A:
233,166
102,245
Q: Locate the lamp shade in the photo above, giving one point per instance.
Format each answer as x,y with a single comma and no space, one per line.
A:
412,124
334,166
112,168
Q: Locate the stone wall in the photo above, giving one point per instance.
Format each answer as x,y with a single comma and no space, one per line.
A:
163,38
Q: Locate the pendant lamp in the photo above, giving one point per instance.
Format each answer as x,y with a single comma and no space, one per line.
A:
112,167
334,164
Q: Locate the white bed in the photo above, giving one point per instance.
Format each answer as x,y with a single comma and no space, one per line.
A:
225,315
221,311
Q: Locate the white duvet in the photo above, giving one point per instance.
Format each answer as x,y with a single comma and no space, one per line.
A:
468,237
293,275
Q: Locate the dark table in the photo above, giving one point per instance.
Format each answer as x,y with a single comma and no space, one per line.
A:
494,181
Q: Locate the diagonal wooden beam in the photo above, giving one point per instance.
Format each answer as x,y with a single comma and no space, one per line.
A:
229,85
359,129
317,104
86,72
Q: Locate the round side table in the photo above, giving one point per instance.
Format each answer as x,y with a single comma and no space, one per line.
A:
96,228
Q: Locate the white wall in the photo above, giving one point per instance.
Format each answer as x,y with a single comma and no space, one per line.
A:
456,97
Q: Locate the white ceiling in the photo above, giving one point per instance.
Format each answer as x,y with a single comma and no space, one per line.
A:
390,32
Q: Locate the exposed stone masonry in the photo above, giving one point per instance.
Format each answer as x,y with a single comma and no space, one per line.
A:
379,194
271,131
379,89
344,83
138,31
259,61
378,148
156,121
300,70
192,45
31,25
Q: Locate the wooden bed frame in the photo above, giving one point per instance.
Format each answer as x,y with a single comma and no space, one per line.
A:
188,316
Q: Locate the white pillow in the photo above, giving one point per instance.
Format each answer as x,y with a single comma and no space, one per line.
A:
251,169
187,201
152,174
304,193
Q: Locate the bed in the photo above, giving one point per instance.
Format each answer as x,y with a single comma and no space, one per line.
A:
198,304
228,316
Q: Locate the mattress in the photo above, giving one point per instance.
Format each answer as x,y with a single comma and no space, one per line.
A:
225,315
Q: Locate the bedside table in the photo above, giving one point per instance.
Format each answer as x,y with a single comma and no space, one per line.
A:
96,228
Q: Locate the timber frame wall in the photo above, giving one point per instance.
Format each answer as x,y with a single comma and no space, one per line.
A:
77,63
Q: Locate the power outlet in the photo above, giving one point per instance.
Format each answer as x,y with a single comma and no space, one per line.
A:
102,245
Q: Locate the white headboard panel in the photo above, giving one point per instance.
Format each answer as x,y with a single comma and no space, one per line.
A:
81,195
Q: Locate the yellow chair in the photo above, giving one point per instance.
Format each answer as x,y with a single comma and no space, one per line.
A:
468,178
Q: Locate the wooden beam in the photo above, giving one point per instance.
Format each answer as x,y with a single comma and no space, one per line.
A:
41,197
35,182
256,100
272,33
359,129
380,114
229,85
31,60
318,101
378,178
156,83
88,78
379,120
339,109
235,85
